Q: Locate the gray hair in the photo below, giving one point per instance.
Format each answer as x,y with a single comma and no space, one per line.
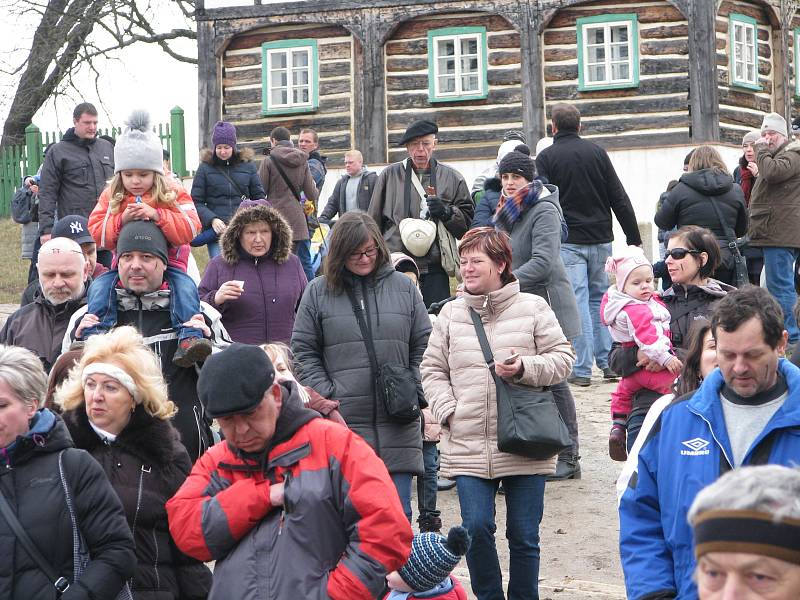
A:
771,489
22,370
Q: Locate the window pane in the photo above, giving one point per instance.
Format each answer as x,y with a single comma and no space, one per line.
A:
738,32
619,33
278,79
469,46
470,84
748,35
300,58
619,52
469,65
597,54
300,95
597,73
278,60
300,77
751,74
738,71
620,72
278,97
594,35
446,47
738,52
447,66
447,85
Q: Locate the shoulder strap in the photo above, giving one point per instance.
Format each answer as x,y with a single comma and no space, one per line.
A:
60,583
487,350
236,185
365,332
285,177
728,231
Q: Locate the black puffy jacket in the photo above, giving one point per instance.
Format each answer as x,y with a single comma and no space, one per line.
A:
31,483
146,465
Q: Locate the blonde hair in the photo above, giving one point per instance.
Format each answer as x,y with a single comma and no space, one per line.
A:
277,351
22,371
161,192
125,348
706,157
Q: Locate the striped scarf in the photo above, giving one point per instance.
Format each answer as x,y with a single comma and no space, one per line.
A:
510,209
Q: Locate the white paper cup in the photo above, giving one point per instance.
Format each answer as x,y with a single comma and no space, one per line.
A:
238,283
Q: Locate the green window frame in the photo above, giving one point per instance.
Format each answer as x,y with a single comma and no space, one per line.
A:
457,64
289,77
608,52
743,49
796,34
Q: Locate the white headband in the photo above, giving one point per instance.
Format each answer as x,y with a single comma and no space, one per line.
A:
112,371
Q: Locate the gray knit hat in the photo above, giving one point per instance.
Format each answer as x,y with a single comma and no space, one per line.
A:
750,138
433,558
138,147
143,236
775,122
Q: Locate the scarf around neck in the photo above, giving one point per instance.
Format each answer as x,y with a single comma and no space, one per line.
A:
510,209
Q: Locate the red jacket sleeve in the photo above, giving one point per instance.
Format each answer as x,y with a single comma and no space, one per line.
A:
179,222
209,514
104,226
378,530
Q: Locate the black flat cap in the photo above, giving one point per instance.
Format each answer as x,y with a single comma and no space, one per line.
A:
235,380
418,129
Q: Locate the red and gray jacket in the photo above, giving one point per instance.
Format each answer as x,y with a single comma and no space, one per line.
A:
340,531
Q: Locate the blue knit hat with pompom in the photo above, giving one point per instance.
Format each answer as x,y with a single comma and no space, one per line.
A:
433,558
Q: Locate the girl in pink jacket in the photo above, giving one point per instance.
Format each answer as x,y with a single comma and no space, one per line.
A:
635,315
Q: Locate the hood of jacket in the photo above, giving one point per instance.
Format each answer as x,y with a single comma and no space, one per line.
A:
243,155
710,182
712,287
614,302
47,434
69,136
288,155
280,246
400,258
493,184
151,440
317,156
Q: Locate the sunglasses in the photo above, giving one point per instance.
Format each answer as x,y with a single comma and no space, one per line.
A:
680,253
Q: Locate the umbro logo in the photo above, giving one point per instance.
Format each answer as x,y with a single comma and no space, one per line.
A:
696,447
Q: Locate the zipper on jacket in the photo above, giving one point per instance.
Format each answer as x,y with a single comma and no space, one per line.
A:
264,296
711,429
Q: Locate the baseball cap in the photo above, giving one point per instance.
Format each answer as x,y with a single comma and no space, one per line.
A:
74,227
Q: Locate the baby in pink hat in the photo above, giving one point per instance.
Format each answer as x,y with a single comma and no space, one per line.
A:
636,316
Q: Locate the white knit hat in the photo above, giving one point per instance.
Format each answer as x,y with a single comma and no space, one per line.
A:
138,147
775,122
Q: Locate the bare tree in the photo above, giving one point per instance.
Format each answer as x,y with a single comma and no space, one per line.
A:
75,34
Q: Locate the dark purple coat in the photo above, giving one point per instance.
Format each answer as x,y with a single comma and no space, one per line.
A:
273,284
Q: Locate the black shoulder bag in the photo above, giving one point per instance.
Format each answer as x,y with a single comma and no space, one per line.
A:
233,183
528,421
394,385
740,276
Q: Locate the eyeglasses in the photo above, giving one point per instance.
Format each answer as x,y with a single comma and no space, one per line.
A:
680,253
367,254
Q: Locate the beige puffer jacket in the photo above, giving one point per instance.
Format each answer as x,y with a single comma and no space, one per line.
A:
457,381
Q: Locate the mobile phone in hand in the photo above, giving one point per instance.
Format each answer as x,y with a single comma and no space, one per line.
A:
510,360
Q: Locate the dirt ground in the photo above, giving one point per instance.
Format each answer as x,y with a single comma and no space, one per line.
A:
579,531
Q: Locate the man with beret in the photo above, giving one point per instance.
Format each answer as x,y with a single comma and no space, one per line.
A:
143,300
40,325
775,215
290,505
74,227
420,188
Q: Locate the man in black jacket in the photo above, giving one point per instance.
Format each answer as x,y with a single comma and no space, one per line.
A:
589,191
354,190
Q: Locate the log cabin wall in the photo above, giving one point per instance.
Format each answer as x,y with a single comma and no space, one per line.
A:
742,104
242,84
652,111
793,52
468,129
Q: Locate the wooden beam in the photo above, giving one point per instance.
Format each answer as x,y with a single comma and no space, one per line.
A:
703,90
533,114
209,83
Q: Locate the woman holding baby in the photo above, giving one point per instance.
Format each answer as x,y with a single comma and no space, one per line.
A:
255,282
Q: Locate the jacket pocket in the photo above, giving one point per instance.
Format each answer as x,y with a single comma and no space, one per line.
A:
78,175
760,219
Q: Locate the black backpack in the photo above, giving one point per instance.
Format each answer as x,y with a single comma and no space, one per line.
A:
24,206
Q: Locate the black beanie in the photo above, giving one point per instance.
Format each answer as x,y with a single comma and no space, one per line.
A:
142,236
235,380
518,161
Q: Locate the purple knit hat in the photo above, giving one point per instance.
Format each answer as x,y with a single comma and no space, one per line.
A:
224,133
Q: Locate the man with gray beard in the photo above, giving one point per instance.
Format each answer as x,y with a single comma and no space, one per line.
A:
40,325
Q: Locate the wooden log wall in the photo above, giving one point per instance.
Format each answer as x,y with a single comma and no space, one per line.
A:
653,114
794,65
242,91
471,129
742,109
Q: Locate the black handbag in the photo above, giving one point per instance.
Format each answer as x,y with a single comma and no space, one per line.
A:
395,385
528,421
740,276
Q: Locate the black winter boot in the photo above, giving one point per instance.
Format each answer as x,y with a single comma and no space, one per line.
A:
567,467
430,522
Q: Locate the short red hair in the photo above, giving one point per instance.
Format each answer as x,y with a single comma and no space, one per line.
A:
494,244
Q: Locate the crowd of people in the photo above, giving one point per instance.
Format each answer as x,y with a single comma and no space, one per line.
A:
270,414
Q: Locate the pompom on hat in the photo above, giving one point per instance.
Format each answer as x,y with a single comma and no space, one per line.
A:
138,147
433,558
623,264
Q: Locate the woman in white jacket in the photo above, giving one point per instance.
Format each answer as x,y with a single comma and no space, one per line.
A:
529,349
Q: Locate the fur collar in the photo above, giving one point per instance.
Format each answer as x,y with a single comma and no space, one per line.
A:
281,245
242,155
153,441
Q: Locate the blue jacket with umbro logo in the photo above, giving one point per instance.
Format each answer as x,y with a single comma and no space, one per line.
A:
686,450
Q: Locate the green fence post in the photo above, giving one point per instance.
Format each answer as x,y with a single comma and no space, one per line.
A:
178,142
33,148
